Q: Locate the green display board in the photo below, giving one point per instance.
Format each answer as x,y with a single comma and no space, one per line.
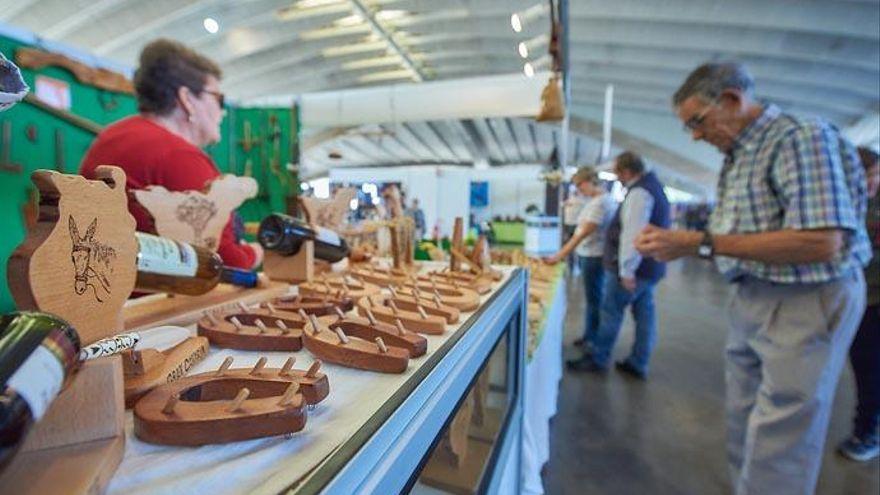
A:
40,140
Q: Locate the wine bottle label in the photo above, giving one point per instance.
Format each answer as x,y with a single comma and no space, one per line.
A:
166,257
38,380
327,236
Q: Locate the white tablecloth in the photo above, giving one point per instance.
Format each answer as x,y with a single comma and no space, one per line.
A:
543,374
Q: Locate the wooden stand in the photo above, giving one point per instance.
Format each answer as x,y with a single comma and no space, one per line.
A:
79,443
294,269
336,347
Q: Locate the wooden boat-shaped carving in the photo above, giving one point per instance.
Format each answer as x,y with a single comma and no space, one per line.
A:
335,346
394,335
254,329
149,368
458,280
344,287
313,305
228,405
460,298
414,317
379,275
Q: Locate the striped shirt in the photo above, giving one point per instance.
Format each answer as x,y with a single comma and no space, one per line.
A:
785,173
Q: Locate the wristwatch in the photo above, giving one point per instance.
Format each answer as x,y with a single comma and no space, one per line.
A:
706,249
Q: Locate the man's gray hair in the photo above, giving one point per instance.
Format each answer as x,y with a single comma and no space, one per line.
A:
709,80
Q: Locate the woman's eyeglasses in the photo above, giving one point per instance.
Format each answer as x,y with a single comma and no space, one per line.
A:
221,98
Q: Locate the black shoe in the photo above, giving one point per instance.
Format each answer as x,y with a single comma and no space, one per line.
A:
629,369
585,363
579,342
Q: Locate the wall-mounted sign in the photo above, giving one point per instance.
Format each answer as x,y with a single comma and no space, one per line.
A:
54,92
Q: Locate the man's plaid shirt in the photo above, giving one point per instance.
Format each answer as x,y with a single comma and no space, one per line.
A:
785,173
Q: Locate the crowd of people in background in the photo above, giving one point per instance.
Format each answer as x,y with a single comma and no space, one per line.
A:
793,233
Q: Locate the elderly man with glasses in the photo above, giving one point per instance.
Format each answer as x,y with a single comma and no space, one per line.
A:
788,231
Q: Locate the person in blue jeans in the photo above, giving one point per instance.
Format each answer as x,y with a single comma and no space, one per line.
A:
587,241
630,278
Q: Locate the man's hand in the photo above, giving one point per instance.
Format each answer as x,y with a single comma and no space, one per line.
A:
552,260
258,251
667,245
628,283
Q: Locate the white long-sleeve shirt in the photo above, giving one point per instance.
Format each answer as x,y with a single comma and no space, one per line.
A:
635,214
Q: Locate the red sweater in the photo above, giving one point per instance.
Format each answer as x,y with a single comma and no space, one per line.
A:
151,155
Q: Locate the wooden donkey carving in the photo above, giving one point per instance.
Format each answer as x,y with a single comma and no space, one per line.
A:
83,275
193,216
91,261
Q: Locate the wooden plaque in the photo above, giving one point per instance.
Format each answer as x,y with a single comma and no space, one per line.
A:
79,261
193,216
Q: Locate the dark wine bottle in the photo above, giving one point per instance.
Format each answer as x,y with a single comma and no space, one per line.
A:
285,235
166,265
38,356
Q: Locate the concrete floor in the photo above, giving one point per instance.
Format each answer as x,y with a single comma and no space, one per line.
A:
618,436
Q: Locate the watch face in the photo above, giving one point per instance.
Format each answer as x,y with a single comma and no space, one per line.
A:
704,251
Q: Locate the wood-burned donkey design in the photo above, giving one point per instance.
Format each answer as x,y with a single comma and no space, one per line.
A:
91,261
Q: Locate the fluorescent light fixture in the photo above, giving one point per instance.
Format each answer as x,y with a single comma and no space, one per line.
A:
528,70
211,25
516,23
523,49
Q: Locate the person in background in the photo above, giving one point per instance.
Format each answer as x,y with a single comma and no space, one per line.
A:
180,108
571,209
588,240
788,230
864,353
630,278
418,216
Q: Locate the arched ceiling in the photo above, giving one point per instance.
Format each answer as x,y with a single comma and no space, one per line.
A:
813,57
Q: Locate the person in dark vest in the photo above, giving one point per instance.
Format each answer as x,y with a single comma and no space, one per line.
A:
630,278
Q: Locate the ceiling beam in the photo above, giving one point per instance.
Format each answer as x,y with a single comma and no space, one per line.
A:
383,33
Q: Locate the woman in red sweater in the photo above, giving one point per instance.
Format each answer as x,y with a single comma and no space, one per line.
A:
181,106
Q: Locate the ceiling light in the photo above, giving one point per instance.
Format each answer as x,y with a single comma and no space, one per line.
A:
523,50
211,25
528,70
516,23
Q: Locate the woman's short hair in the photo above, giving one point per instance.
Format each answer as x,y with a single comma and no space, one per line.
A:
165,67
586,174
629,160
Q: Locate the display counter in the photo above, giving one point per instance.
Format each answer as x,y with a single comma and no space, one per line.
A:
375,433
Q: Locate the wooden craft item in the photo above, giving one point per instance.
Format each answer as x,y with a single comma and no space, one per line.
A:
146,369
408,301
196,217
379,275
481,285
393,335
457,243
390,309
329,213
340,288
32,58
77,446
297,268
460,298
312,305
253,329
228,405
78,261
161,309
335,346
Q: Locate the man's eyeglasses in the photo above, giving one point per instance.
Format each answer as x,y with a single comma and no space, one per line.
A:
221,98
696,121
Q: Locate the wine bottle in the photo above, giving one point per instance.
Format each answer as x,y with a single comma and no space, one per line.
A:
285,235
38,356
166,265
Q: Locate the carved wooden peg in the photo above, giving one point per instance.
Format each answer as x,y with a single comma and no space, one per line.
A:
371,317
225,365
401,330
262,326
339,312
282,326
285,370
303,315
392,291
316,327
261,363
239,399
211,317
313,369
342,337
235,321
287,398
242,306
381,344
171,404
393,307
421,311
271,308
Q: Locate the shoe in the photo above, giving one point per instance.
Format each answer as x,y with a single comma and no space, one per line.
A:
858,449
629,369
579,342
585,363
